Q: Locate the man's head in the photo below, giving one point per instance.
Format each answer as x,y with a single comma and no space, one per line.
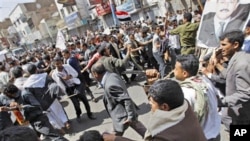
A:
131,36
165,95
91,135
187,17
230,42
78,44
104,49
18,133
84,46
186,66
72,46
158,30
225,8
32,69
58,63
17,72
98,70
11,91
66,53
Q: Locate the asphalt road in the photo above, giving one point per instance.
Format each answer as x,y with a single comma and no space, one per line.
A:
103,123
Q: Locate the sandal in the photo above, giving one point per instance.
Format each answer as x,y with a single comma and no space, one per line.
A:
67,125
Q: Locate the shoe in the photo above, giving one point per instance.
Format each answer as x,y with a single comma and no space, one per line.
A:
78,118
92,117
67,125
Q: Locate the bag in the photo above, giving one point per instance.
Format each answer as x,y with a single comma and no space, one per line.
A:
201,103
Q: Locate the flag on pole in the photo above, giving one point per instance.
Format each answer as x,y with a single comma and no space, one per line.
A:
60,40
123,16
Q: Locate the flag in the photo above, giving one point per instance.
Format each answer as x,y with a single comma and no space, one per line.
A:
60,40
123,16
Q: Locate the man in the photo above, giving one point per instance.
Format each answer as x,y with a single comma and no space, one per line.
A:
117,101
237,99
32,108
187,32
47,93
156,51
113,64
18,133
114,51
146,36
66,77
229,15
135,55
74,63
19,80
246,44
172,118
200,93
91,135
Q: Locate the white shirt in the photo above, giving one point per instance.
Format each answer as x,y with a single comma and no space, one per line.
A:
156,39
189,95
19,82
71,71
211,127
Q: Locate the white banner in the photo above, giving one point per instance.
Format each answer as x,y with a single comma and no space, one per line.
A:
60,40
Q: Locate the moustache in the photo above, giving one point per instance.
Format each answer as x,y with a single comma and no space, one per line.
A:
224,10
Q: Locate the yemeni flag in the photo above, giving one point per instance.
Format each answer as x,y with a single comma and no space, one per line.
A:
123,16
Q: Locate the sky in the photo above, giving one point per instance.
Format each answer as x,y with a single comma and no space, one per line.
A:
6,6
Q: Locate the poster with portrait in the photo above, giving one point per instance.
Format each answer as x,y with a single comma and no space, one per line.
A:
220,16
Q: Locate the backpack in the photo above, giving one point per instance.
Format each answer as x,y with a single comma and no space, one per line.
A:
201,105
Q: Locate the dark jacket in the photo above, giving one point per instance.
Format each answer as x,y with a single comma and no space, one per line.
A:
117,101
5,120
47,94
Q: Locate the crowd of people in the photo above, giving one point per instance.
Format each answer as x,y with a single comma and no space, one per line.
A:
190,95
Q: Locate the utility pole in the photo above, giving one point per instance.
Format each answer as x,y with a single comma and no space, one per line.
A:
112,6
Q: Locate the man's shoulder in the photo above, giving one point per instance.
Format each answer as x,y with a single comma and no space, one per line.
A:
242,59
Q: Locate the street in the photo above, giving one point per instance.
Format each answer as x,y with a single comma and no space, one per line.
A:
103,123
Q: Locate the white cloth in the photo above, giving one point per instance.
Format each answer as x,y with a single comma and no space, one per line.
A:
211,126
19,82
71,71
161,120
156,39
4,78
36,81
174,41
189,95
56,115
